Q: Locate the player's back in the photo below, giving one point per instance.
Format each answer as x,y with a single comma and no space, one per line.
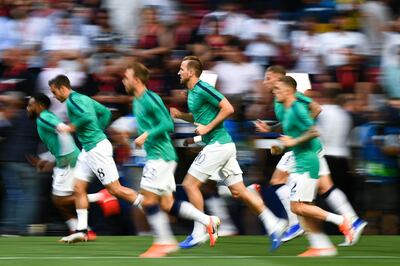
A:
89,117
61,145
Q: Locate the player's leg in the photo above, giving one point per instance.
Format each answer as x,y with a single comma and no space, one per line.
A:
303,191
207,162
274,226
320,244
338,201
100,161
163,239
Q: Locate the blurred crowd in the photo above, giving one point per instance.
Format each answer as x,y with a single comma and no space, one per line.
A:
349,48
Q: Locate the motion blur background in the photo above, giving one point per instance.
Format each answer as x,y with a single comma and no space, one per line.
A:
350,48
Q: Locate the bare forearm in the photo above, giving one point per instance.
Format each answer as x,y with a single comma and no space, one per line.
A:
308,135
222,115
187,117
276,128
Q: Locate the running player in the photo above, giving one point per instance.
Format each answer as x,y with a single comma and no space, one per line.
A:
65,152
208,109
158,182
334,197
88,119
301,138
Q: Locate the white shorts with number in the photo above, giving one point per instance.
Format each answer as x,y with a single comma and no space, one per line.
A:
303,188
158,177
63,181
217,159
98,161
287,163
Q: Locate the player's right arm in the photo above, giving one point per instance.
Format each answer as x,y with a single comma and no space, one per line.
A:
175,113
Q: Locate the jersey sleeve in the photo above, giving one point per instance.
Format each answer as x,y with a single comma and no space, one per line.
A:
210,94
304,120
47,122
102,113
81,109
162,116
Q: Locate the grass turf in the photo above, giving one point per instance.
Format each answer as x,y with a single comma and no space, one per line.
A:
239,250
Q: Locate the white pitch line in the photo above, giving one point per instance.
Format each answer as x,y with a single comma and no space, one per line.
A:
190,257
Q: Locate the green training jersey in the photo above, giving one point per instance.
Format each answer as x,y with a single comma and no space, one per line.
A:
89,117
61,145
203,101
305,101
152,116
296,120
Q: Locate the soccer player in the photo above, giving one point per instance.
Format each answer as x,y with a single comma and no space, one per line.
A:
158,183
88,119
63,148
301,138
208,109
334,197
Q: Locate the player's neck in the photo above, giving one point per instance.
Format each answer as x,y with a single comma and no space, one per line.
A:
139,90
191,83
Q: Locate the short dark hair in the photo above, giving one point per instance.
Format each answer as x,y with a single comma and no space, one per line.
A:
289,81
141,72
195,64
277,69
42,99
60,80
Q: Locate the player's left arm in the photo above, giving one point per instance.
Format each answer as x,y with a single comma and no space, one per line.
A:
103,114
225,110
164,123
315,109
306,124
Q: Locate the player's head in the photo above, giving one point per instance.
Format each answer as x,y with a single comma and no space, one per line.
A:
135,75
272,75
36,104
60,86
284,87
191,68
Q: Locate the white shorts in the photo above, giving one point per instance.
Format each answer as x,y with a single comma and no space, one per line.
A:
303,188
63,181
287,163
98,161
217,159
158,177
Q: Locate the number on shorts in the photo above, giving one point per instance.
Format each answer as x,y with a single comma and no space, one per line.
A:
101,173
200,158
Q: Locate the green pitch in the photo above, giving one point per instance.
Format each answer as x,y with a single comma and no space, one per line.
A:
229,251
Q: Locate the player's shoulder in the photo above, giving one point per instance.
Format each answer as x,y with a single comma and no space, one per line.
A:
303,98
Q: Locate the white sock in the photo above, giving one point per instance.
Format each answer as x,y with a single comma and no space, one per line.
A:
283,193
339,203
82,219
334,218
319,240
188,211
198,229
159,223
217,206
72,224
94,197
268,219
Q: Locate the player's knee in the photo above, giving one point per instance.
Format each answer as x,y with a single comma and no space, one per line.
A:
296,208
79,189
